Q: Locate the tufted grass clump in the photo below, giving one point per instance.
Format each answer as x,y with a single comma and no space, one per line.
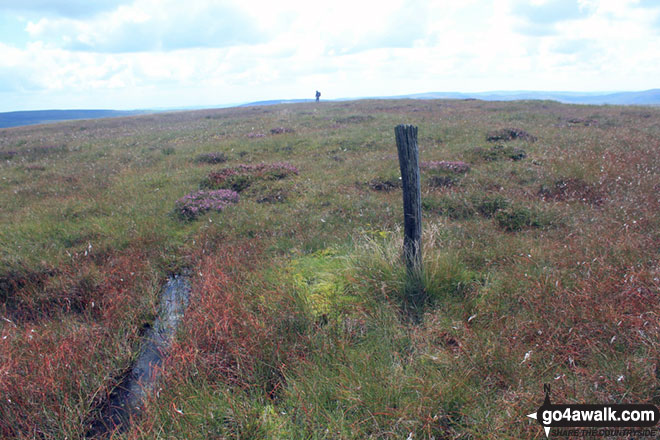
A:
377,270
453,166
496,153
197,203
509,134
443,174
518,218
464,206
454,206
212,158
507,215
385,183
489,204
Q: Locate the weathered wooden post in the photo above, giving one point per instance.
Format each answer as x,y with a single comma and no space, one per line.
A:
406,144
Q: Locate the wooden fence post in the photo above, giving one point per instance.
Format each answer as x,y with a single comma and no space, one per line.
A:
406,144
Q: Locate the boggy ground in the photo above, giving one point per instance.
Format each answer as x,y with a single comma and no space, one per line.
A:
540,267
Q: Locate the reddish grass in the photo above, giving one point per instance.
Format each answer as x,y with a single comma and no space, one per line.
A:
573,189
48,366
227,330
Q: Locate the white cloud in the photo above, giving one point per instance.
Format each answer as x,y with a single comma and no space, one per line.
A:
67,8
168,53
151,25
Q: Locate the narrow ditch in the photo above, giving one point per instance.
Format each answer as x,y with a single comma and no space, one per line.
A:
125,401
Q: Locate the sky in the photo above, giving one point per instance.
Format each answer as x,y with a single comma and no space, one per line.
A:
138,54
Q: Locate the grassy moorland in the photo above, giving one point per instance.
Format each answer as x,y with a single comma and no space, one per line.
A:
541,265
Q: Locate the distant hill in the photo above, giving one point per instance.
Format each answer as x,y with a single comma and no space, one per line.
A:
647,97
276,101
15,119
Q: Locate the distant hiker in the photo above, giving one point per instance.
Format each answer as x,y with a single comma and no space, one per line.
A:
318,95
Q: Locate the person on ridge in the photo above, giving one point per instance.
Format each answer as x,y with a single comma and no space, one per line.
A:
318,95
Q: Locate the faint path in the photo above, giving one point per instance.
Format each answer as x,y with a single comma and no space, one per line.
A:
126,399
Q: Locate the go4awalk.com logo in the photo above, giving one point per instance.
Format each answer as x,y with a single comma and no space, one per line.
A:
588,420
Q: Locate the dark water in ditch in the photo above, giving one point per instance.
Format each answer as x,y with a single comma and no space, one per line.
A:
125,401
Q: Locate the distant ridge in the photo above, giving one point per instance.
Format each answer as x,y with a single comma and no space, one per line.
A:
647,97
15,119
276,101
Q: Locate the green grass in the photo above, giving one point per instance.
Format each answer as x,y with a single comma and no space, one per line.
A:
304,324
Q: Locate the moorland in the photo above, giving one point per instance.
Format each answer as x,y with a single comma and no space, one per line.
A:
541,238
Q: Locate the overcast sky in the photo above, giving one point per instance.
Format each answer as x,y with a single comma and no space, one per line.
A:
129,54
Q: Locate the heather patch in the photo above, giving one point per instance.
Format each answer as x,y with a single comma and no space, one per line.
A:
213,158
34,152
242,176
200,202
41,150
384,183
35,167
255,135
7,155
509,134
281,130
47,149
582,121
